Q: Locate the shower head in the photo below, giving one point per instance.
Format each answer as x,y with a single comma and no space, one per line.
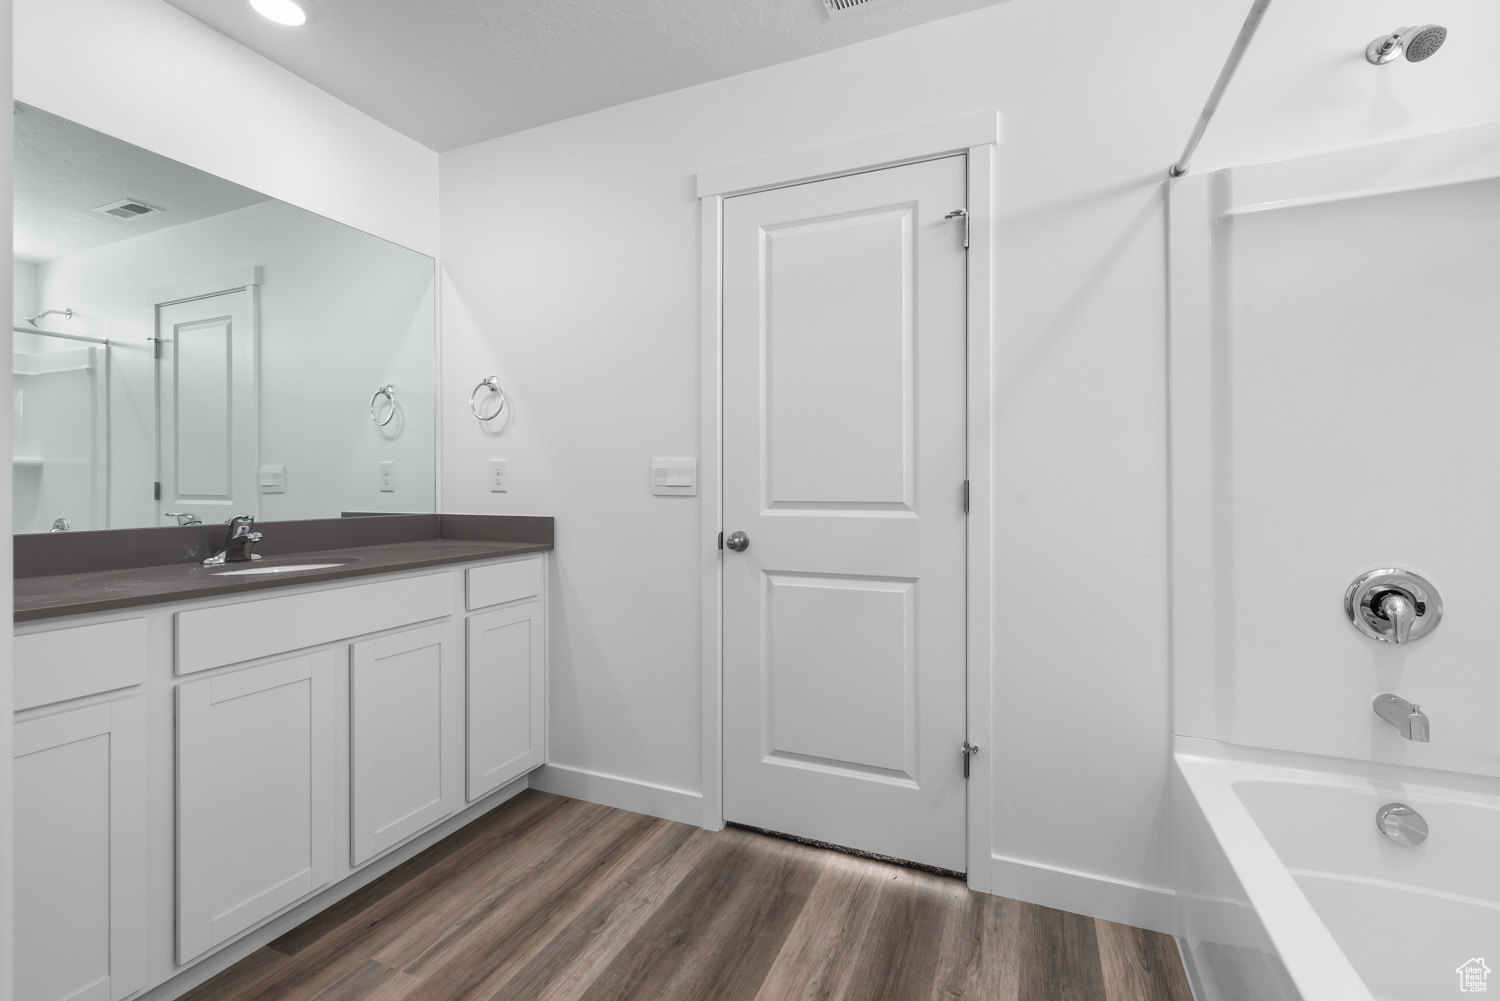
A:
34,318
1417,43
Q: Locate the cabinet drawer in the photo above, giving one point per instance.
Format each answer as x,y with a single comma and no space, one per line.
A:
70,663
232,634
502,582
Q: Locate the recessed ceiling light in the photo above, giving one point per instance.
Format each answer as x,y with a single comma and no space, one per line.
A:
287,12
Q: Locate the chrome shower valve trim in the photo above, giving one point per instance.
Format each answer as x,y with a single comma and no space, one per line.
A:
1393,605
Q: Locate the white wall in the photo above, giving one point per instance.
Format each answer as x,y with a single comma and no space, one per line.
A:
23,291
341,313
145,72
571,258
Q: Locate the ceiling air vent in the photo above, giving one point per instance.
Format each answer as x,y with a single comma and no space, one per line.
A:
843,8
126,209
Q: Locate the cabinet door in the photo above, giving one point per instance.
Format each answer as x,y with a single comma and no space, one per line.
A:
80,816
506,681
405,699
256,759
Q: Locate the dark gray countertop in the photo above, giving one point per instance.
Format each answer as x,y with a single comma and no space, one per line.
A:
43,597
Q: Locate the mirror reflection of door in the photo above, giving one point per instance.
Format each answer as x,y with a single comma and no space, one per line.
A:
208,436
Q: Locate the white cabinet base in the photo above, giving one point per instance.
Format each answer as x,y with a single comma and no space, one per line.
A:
403,701
80,799
256,792
506,675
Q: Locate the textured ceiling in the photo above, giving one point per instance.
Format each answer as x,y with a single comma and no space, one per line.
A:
449,73
63,171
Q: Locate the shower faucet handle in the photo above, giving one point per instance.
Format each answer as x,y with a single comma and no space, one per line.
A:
1393,605
1398,608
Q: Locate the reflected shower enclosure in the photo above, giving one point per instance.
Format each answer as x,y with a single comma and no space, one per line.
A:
61,431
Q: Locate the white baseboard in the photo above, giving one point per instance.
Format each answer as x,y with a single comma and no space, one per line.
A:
1150,907
622,793
273,928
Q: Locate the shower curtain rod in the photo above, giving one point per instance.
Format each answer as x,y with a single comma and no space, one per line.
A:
1247,33
54,333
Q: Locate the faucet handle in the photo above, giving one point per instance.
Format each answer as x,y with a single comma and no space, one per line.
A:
1393,605
1401,611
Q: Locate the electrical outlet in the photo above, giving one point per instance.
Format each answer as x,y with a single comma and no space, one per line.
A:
498,483
388,477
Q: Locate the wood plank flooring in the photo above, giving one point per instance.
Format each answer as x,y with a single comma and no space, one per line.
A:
553,899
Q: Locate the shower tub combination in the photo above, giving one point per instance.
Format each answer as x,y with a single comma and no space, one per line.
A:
1288,890
1333,360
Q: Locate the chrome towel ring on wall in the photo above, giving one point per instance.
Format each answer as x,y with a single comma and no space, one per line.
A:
389,392
495,392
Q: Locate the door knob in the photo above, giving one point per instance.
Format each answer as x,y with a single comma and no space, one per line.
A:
738,541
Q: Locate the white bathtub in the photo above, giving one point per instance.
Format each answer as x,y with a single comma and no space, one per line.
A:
1288,892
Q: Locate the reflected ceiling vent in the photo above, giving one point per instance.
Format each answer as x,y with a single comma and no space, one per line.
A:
125,208
843,8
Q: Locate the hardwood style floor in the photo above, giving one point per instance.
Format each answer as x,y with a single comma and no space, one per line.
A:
552,899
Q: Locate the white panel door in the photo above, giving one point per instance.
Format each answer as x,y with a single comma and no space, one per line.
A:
506,710
256,759
80,853
207,393
844,461
405,699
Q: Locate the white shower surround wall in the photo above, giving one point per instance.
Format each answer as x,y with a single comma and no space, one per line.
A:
1304,414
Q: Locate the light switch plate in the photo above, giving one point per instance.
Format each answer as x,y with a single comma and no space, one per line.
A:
674,477
388,477
499,484
273,479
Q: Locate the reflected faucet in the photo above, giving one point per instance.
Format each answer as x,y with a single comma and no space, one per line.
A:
237,544
1407,718
184,518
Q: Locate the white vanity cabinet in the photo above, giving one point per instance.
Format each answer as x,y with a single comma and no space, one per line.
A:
256,794
188,773
405,705
80,853
506,675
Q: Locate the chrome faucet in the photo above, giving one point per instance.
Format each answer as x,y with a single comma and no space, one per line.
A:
1403,715
237,545
184,518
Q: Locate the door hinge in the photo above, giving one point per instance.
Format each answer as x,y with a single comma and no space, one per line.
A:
721,541
966,496
964,215
969,750
155,346
156,490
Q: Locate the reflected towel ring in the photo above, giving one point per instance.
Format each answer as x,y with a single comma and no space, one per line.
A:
493,385
389,392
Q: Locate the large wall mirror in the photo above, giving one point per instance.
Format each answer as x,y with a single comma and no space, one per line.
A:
187,349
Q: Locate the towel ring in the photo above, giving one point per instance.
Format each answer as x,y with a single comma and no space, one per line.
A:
389,392
493,385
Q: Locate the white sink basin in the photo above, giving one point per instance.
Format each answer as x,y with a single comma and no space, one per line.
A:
282,568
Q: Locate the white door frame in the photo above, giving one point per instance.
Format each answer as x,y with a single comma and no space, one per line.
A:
976,136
